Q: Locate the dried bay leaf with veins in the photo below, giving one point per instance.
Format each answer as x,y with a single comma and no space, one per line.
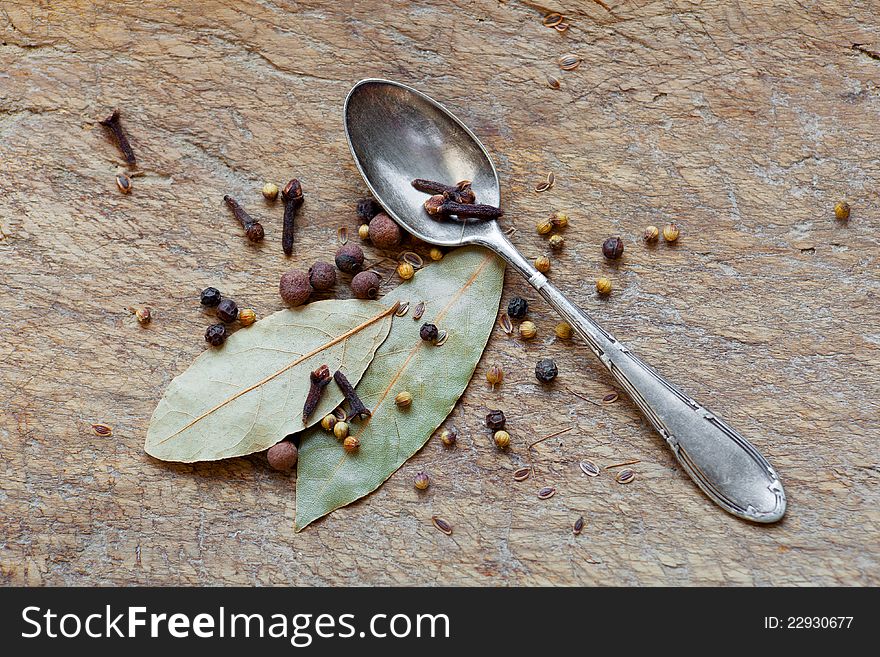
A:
462,292
247,395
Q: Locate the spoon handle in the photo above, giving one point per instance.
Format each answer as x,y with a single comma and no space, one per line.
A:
726,466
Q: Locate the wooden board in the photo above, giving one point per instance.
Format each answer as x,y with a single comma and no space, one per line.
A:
744,123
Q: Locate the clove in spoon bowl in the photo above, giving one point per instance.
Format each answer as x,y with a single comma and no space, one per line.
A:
397,134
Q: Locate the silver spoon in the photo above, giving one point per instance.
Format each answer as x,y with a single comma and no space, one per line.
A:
397,134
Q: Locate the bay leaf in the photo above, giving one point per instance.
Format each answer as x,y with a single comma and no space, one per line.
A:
462,293
247,395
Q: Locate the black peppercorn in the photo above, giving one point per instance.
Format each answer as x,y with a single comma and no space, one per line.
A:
350,258
322,276
215,335
227,311
517,307
546,370
210,297
612,248
495,420
367,208
428,332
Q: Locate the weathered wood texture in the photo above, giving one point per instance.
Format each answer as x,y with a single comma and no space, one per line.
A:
744,122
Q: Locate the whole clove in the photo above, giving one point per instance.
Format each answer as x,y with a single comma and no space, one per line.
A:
439,205
356,406
113,124
459,193
293,199
252,228
319,380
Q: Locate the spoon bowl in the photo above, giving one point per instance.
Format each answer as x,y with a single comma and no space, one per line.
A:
397,134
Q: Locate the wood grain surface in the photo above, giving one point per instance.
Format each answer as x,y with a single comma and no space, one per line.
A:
743,121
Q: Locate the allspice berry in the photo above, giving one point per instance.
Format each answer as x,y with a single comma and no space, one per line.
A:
247,316
350,258
340,430
603,285
841,211
556,242
528,330
406,271
328,422
563,330
612,248
270,191
364,231
283,456
449,436
422,481
544,226
502,439
435,254
351,443
295,287
670,232
403,399
542,264
651,233
384,231
322,275
366,285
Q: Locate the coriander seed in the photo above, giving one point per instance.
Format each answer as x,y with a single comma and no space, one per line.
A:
435,254
351,443
403,399
495,375
422,481
215,334
612,248
227,311
364,232
841,211
527,330
563,330
270,191
143,315
556,242
546,370
246,316
651,233
670,232
544,226
603,285
495,420
542,264
449,436
559,220
328,422
406,271
340,430
502,439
